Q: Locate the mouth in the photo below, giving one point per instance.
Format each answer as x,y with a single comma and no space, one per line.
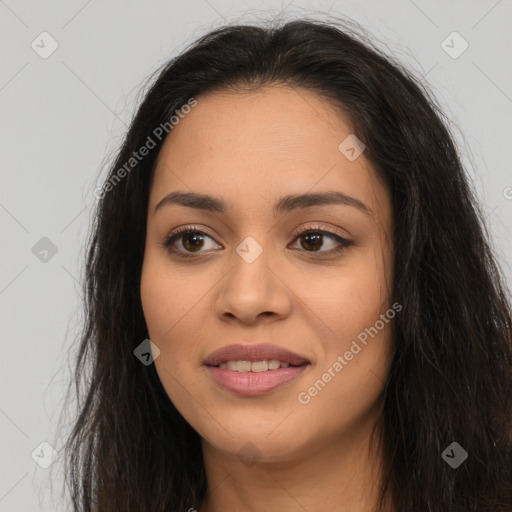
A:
254,369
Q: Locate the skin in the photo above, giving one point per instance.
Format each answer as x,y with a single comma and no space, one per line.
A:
250,149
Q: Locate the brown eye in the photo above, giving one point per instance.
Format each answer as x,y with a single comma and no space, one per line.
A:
313,240
192,241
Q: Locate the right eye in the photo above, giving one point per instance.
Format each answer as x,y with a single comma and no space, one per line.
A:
191,240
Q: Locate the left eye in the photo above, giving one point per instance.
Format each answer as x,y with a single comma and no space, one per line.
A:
313,240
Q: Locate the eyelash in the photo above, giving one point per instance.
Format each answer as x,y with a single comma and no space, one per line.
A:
180,232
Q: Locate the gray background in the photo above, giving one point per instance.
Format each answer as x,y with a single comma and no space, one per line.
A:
63,117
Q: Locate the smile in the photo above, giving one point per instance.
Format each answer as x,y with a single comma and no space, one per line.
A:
254,369
254,366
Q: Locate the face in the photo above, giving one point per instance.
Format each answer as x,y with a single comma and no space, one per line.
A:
310,277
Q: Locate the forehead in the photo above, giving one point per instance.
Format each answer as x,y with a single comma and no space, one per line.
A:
254,147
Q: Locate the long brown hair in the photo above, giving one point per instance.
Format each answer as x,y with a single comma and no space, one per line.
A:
451,377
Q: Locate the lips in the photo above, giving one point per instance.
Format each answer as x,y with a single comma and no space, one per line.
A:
254,353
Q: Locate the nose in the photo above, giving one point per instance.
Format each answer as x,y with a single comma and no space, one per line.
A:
252,290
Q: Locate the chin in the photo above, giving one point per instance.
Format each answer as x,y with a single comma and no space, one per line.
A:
256,449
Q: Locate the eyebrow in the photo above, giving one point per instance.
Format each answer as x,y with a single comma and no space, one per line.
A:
285,204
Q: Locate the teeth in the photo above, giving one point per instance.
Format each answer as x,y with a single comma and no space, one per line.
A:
254,366
259,366
274,364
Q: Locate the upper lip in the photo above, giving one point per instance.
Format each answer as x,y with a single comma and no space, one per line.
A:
253,353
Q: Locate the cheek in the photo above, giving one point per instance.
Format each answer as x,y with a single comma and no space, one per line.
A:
352,298
174,314
351,306
175,305
357,352
171,300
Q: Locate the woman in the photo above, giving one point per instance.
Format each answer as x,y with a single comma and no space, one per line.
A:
291,299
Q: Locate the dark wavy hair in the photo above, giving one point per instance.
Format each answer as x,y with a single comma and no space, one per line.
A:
129,449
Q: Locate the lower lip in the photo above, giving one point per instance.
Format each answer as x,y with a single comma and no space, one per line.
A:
254,383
